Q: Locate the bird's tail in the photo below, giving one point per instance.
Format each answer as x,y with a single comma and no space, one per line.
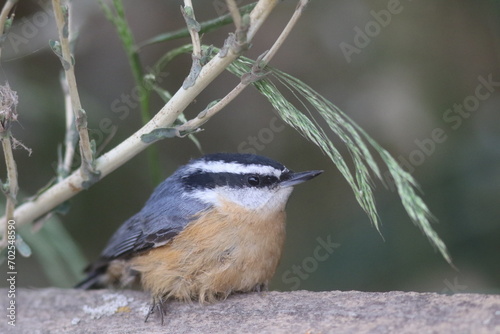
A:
94,279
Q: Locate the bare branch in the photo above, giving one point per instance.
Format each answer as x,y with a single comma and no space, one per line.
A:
205,115
235,13
63,50
71,136
258,16
284,34
193,26
8,113
133,145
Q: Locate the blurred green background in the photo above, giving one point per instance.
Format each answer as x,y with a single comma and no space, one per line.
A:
400,77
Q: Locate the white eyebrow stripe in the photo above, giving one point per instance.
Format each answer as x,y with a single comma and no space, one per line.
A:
234,168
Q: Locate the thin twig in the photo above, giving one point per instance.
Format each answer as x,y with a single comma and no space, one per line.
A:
11,191
133,145
260,11
205,115
284,34
8,102
4,15
61,12
235,13
71,135
193,27
8,113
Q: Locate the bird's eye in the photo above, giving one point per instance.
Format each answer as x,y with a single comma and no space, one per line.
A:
253,180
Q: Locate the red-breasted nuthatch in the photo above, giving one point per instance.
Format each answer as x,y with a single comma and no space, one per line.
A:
215,226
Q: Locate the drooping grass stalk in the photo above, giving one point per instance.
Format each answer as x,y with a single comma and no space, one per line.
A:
357,141
352,135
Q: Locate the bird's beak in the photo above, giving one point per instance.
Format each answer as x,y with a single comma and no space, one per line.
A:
296,178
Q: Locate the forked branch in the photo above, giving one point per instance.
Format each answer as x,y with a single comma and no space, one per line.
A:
63,51
133,145
255,75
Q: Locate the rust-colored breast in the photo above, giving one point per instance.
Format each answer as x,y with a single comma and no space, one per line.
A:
224,250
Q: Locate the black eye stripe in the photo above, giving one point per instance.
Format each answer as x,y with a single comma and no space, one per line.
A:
206,180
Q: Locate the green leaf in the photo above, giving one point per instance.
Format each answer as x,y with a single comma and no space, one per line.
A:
22,247
158,134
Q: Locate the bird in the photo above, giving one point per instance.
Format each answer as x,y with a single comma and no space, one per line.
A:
216,226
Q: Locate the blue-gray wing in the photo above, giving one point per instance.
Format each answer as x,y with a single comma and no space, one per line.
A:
164,215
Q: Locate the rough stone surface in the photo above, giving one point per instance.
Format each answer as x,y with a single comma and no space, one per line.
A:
104,311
